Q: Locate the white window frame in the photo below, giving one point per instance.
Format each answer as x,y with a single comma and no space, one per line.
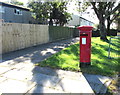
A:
18,12
2,9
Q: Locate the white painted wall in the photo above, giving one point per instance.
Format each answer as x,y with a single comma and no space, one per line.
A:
76,20
85,22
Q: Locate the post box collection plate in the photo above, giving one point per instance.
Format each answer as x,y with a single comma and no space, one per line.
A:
83,41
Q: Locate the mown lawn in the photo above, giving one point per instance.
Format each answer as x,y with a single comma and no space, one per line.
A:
68,59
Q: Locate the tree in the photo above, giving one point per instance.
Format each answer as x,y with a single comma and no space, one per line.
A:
83,6
115,17
54,11
59,13
117,21
103,11
41,10
16,2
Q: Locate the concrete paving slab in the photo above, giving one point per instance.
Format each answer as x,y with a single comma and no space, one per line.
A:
42,89
45,80
98,82
82,94
18,75
71,75
4,70
24,65
7,63
45,70
12,94
98,78
2,79
74,86
29,68
103,79
104,87
14,86
95,86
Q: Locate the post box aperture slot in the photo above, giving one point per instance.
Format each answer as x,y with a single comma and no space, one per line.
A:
83,34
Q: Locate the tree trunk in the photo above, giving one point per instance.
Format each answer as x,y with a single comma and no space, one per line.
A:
118,27
103,33
108,25
51,22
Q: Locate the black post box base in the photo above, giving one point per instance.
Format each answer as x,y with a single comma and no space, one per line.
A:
85,64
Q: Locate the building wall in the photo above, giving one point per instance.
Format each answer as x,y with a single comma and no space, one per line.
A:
9,16
77,20
85,22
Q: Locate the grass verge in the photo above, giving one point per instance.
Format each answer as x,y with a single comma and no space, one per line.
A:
68,59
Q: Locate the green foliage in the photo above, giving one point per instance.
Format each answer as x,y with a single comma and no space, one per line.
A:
83,6
68,59
55,11
96,26
41,10
101,64
16,2
116,16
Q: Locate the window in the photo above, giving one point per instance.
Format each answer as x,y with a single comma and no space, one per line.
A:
2,9
17,12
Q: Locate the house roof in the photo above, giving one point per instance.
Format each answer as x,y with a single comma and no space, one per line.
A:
14,6
87,20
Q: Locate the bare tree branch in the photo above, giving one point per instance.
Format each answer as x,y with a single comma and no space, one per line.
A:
113,11
108,7
95,9
114,17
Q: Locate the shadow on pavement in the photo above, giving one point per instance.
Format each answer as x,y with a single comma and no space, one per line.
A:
98,83
38,53
45,79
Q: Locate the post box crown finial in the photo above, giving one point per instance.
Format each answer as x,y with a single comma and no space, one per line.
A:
85,28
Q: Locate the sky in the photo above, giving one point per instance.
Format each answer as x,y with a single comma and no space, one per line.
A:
24,1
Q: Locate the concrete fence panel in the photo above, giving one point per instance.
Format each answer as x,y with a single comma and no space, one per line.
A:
59,32
17,36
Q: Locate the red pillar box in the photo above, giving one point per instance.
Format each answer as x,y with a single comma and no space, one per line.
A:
85,45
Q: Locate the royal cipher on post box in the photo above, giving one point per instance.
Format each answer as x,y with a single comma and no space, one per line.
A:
85,45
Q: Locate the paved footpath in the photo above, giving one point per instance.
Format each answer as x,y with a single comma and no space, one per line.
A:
18,73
